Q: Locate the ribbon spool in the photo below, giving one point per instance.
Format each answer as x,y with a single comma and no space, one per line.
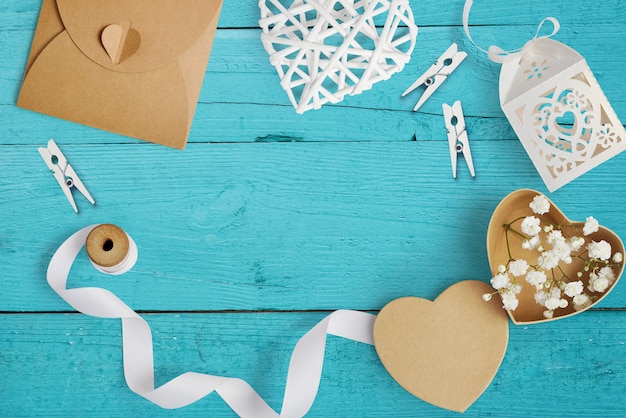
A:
110,249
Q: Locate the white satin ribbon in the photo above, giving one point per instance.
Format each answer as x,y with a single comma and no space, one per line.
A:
495,53
303,375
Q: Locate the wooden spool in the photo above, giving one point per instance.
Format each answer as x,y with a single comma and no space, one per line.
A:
107,245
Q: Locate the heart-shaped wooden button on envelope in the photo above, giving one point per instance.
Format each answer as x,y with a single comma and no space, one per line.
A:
447,351
120,41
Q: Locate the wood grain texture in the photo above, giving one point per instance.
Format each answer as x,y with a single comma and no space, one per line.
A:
269,220
569,368
280,225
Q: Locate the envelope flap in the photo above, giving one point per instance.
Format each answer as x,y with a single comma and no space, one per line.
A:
539,61
162,29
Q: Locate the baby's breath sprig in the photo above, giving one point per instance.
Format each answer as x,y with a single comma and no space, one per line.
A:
556,245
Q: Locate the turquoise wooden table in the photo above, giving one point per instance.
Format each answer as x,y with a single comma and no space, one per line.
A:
270,220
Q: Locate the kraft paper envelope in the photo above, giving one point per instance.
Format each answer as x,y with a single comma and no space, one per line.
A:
134,67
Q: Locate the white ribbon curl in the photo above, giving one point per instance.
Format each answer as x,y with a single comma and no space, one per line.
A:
495,53
303,375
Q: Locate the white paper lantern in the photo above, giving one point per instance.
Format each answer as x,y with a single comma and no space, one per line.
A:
558,111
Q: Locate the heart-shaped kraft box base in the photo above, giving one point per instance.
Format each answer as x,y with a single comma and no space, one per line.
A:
516,205
447,351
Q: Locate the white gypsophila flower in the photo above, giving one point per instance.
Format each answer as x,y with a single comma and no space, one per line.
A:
518,267
531,226
592,278
487,297
548,314
573,289
563,303
617,257
600,250
509,300
500,281
531,243
555,292
599,285
581,301
576,243
501,268
535,242
607,273
515,288
540,205
601,281
541,297
548,228
555,238
591,226
548,260
552,303
561,250
536,278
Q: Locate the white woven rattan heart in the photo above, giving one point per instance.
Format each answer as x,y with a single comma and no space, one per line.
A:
326,49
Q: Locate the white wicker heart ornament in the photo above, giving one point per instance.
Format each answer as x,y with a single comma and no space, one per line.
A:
326,49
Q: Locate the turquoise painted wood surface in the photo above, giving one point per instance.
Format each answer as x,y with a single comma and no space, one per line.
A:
269,220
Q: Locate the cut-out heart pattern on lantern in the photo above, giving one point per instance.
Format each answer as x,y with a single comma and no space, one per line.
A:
568,125
508,240
325,50
445,352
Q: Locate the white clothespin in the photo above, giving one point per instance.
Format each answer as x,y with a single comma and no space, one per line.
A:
63,172
437,74
457,136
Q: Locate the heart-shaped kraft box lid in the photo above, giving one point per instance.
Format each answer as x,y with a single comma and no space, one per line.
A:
447,351
515,207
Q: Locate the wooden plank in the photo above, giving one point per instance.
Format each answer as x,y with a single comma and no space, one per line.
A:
70,365
242,100
237,122
245,14
279,225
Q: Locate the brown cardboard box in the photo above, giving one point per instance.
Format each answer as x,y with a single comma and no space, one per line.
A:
515,206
